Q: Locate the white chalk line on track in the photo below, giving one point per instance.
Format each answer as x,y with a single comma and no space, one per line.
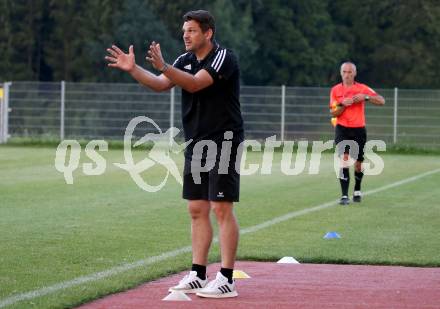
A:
158,258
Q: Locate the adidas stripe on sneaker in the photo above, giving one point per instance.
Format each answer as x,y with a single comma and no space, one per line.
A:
190,284
219,288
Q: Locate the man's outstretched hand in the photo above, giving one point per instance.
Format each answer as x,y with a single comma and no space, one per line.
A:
119,59
155,56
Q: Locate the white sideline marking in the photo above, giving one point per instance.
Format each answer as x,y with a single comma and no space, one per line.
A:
158,258
329,204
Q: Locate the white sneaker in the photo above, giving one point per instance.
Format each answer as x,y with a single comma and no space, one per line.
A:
219,288
190,284
357,196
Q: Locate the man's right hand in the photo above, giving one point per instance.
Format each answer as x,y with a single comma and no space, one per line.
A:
347,102
119,59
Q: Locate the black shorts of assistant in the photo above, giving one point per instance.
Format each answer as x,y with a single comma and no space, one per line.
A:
212,185
344,136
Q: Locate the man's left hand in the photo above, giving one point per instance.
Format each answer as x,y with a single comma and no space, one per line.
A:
155,56
358,98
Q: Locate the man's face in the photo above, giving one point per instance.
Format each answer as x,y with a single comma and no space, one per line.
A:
348,73
193,37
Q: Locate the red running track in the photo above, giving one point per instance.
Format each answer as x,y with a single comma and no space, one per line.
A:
275,285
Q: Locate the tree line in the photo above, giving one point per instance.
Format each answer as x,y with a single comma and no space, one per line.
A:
296,43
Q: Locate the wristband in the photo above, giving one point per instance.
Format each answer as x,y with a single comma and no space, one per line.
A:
164,68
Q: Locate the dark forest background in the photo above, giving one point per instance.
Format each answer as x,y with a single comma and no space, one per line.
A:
296,43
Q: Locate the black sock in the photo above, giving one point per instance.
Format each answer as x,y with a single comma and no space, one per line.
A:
227,272
358,179
344,179
200,269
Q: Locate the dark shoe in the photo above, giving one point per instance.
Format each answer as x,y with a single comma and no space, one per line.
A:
344,200
357,196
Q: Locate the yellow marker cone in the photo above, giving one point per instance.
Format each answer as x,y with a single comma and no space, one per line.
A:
239,274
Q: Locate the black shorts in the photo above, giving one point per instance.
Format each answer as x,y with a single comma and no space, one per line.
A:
345,136
220,183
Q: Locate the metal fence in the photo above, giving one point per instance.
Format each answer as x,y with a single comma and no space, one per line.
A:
102,111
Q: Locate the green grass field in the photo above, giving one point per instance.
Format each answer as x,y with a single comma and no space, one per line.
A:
52,233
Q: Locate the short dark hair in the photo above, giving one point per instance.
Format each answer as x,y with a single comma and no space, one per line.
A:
204,18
